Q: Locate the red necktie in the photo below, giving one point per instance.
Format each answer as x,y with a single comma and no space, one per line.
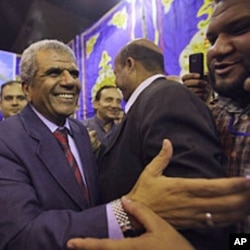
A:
62,137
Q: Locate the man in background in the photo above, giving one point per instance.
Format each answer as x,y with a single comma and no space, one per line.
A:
12,98
229,70
107,105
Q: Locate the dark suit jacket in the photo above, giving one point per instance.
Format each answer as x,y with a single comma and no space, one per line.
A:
165,109
41,204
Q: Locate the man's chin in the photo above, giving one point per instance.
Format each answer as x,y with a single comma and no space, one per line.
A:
110,118
14,113
65,113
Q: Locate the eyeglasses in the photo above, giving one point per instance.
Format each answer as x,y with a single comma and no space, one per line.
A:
233,132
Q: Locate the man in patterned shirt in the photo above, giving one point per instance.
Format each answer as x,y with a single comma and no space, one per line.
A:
229,71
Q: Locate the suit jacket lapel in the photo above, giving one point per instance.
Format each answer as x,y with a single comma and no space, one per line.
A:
53,160
116,135
85,157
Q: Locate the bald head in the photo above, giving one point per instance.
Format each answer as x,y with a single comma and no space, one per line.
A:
146,43
144,51
137,61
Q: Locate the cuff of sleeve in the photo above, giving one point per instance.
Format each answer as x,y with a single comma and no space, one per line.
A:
123,220
114,229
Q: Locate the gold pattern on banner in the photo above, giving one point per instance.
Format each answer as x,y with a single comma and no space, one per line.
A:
105,75
91,44
120,19
154,20
198,42
167,4
206,9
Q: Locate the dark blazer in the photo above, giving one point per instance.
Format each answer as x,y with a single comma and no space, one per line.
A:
41,204
165,109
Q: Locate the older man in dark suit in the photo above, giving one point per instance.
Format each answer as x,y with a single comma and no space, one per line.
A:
42,197
47,169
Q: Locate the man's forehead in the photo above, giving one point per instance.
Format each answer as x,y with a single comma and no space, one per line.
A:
224,5
55,59
55,56
228,12
12,87
110,92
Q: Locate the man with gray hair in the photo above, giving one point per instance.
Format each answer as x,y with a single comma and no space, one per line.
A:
47,167
48,170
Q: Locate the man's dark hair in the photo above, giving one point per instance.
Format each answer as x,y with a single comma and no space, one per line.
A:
149,58
99,92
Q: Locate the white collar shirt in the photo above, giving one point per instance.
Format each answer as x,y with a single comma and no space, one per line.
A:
139,89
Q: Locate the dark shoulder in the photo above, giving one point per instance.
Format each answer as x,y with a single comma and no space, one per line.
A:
11,129
168,88
10,123
76,123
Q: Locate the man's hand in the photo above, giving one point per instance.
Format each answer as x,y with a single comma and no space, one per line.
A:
184,202
158,233
200,87
95,143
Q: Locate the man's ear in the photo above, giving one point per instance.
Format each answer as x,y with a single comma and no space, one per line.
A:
26,91
130,63
95,104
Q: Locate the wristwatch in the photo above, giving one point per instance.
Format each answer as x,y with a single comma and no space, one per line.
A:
123,220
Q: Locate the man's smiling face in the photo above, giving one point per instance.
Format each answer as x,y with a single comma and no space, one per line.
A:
55,88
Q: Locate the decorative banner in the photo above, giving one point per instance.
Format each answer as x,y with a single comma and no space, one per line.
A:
178,27
194,34
99,46
7,66
18,59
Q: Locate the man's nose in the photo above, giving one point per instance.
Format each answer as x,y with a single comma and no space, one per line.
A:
14,101
114,104
67,78
222,45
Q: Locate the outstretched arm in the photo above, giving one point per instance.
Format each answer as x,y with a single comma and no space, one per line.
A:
184,202
158,233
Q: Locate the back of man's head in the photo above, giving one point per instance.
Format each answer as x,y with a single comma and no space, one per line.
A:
146,52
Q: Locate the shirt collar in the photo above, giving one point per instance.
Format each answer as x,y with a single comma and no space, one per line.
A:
51,126
139,89
100,122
